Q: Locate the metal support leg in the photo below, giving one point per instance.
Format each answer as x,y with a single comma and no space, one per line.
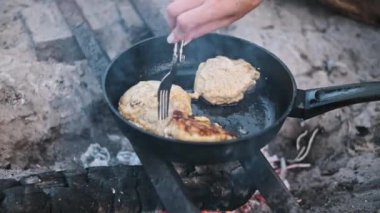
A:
167,183
269,184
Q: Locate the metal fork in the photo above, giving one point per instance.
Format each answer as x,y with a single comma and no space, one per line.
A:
167,81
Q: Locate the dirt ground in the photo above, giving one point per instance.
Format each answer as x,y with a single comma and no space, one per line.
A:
322,48
51,112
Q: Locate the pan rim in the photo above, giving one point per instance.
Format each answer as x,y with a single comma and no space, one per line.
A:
278,121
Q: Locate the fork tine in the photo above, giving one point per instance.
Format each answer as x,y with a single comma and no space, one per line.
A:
163,104
160,102
166,83
159,105
167,103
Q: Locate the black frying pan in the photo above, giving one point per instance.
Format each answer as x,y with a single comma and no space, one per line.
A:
256,120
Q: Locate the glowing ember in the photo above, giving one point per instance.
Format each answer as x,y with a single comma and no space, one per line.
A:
257,202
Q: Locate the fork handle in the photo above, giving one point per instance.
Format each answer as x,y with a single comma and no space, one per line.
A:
178,51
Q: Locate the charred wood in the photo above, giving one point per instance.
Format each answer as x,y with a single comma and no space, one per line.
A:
117,189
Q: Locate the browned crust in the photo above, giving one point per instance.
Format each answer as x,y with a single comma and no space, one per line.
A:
196,129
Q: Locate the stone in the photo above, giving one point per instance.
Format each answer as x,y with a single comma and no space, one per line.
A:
131,21
99,13
153,16
121,27
48,100
316,80
49,33
113,39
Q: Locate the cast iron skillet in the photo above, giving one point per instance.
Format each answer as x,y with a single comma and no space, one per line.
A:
256,120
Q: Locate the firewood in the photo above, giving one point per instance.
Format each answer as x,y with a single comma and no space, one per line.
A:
117,189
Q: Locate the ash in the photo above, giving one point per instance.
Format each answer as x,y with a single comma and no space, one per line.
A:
95,156
128,158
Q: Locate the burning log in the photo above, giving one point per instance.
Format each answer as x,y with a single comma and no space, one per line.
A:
117,189
367,11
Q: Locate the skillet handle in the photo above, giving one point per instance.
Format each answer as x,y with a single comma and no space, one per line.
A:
312,102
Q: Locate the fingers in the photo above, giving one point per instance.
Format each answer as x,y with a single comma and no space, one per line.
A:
177,7
196,17
209,27
190,19
193,19
196,32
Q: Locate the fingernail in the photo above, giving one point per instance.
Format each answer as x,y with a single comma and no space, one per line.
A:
170,38
187,42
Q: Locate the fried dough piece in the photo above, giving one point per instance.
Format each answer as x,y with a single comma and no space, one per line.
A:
222,80
139,104
195,128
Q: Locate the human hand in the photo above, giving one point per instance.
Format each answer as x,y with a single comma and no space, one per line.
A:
189,19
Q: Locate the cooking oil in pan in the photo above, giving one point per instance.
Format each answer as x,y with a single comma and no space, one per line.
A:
251,115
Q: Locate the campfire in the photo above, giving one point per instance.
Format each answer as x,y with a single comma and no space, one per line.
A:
66,149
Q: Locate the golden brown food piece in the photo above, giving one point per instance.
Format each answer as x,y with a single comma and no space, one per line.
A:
139,104
196,128
222,80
